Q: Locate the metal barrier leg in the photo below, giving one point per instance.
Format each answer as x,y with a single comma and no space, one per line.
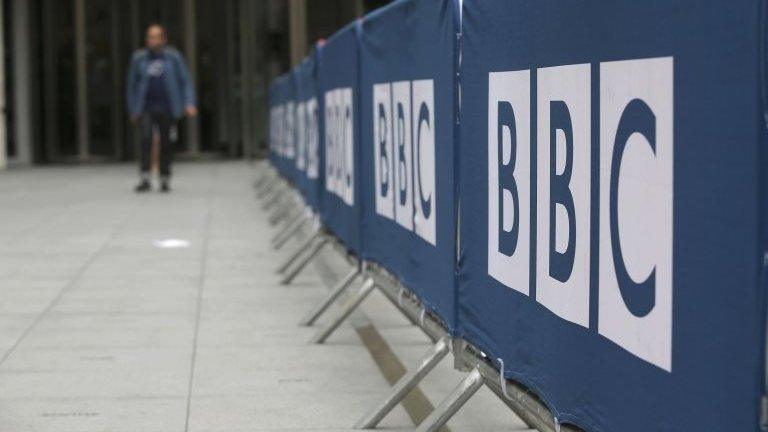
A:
405,384
274,196
267,187
345,311
262,177
271,198
291,228
340,287
291,274
299,252
290,233
281,212
452,403
292,218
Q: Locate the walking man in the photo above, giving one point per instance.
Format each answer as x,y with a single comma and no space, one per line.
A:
159,93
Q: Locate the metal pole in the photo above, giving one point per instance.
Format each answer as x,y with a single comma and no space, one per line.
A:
335,293
190,50
405,384
452,403
345,311
299,251
81,82
291,275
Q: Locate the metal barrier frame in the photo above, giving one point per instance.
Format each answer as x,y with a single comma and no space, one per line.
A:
467,358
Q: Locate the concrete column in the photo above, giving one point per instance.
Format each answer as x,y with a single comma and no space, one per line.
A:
81,82
118,84
231,26
298,30
261,85
246,72
190,51
22,80
3,136
50,80
136,42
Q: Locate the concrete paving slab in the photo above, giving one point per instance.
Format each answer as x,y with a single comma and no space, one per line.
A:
144,414
100,330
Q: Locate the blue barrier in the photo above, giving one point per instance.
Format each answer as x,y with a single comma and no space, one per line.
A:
274,123
309,128
337,79
610,175
407,103
282,132
612,207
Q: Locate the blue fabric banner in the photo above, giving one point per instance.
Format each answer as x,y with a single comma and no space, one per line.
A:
337,78
274,124
407,105
612,170
308,127
282,120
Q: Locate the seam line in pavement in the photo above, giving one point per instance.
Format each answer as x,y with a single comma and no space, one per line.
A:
200,287
73,281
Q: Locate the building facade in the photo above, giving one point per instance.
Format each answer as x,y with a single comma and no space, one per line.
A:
66,60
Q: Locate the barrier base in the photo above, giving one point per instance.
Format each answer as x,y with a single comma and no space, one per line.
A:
452,403
263,174
266,185
405,384
335,293
269,188
291,274
345,311
291,228
274,196
299,251
282,211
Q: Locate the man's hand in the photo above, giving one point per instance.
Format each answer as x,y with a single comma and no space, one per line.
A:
190,111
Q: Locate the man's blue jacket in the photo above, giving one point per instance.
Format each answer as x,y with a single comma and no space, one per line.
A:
181,91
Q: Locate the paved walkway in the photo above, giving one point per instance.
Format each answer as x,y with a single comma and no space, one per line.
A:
102,330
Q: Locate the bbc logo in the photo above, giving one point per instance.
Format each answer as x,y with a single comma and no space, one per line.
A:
339,144
307,138
404,155
634,197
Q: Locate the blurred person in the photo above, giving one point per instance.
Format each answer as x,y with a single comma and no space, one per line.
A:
159,92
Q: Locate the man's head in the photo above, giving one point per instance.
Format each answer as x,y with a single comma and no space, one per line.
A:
156,37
